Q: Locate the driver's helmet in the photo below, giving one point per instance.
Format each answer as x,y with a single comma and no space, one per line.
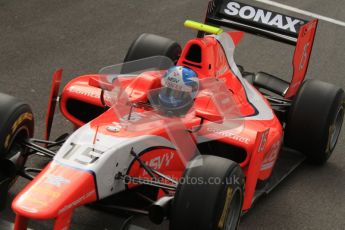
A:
180,85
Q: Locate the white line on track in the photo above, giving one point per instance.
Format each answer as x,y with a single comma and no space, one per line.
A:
294,9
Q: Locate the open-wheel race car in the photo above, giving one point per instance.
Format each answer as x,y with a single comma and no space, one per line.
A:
185,133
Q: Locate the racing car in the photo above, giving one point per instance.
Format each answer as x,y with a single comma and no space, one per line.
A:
184,135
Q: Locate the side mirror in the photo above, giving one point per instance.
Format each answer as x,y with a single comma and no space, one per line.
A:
206,109
98,83
214,117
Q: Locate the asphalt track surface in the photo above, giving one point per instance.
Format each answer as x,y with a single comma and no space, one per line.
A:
40,36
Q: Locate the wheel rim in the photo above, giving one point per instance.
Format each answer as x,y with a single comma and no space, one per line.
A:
234,211
336,128
18,148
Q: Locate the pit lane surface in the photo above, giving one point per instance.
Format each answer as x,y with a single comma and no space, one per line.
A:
39,36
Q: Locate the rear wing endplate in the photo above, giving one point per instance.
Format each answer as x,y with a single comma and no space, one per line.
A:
269,24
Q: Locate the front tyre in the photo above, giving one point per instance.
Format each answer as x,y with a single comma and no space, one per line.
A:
16,125
315,120
209,196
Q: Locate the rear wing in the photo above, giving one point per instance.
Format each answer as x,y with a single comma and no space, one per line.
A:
269,24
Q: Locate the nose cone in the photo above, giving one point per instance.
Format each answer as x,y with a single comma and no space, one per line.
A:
54,191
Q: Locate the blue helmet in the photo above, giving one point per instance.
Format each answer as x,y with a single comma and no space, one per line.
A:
180,86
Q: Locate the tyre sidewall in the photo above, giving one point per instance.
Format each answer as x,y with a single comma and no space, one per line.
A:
17,120
310,118
202,206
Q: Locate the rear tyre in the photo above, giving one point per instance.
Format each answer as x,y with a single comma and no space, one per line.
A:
315,119
209,197
148,45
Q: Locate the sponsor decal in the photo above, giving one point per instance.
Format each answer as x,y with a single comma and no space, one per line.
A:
85,91
173,79
229,134
35,201
271,156
40,198
266,17
57,181
305,56
159,161
263,141
47,192
77,202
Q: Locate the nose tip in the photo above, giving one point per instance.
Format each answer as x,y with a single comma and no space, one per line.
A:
54,191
